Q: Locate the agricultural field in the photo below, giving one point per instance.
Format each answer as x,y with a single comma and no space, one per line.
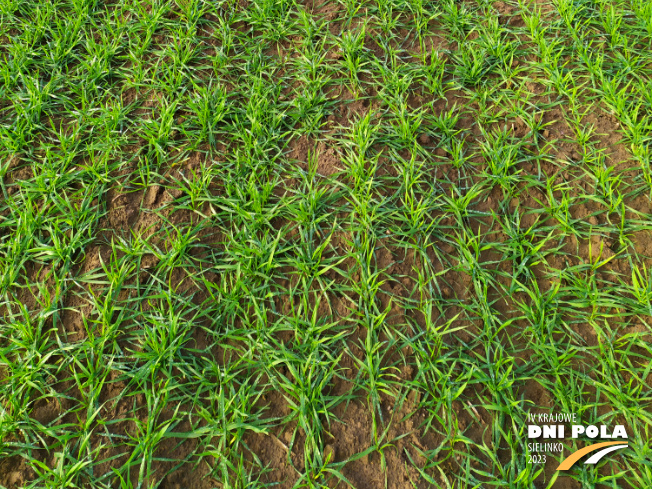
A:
293,243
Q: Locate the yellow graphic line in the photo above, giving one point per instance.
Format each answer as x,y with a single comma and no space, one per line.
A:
575,456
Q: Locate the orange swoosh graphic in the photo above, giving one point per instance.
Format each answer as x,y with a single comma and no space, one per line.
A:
575,456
